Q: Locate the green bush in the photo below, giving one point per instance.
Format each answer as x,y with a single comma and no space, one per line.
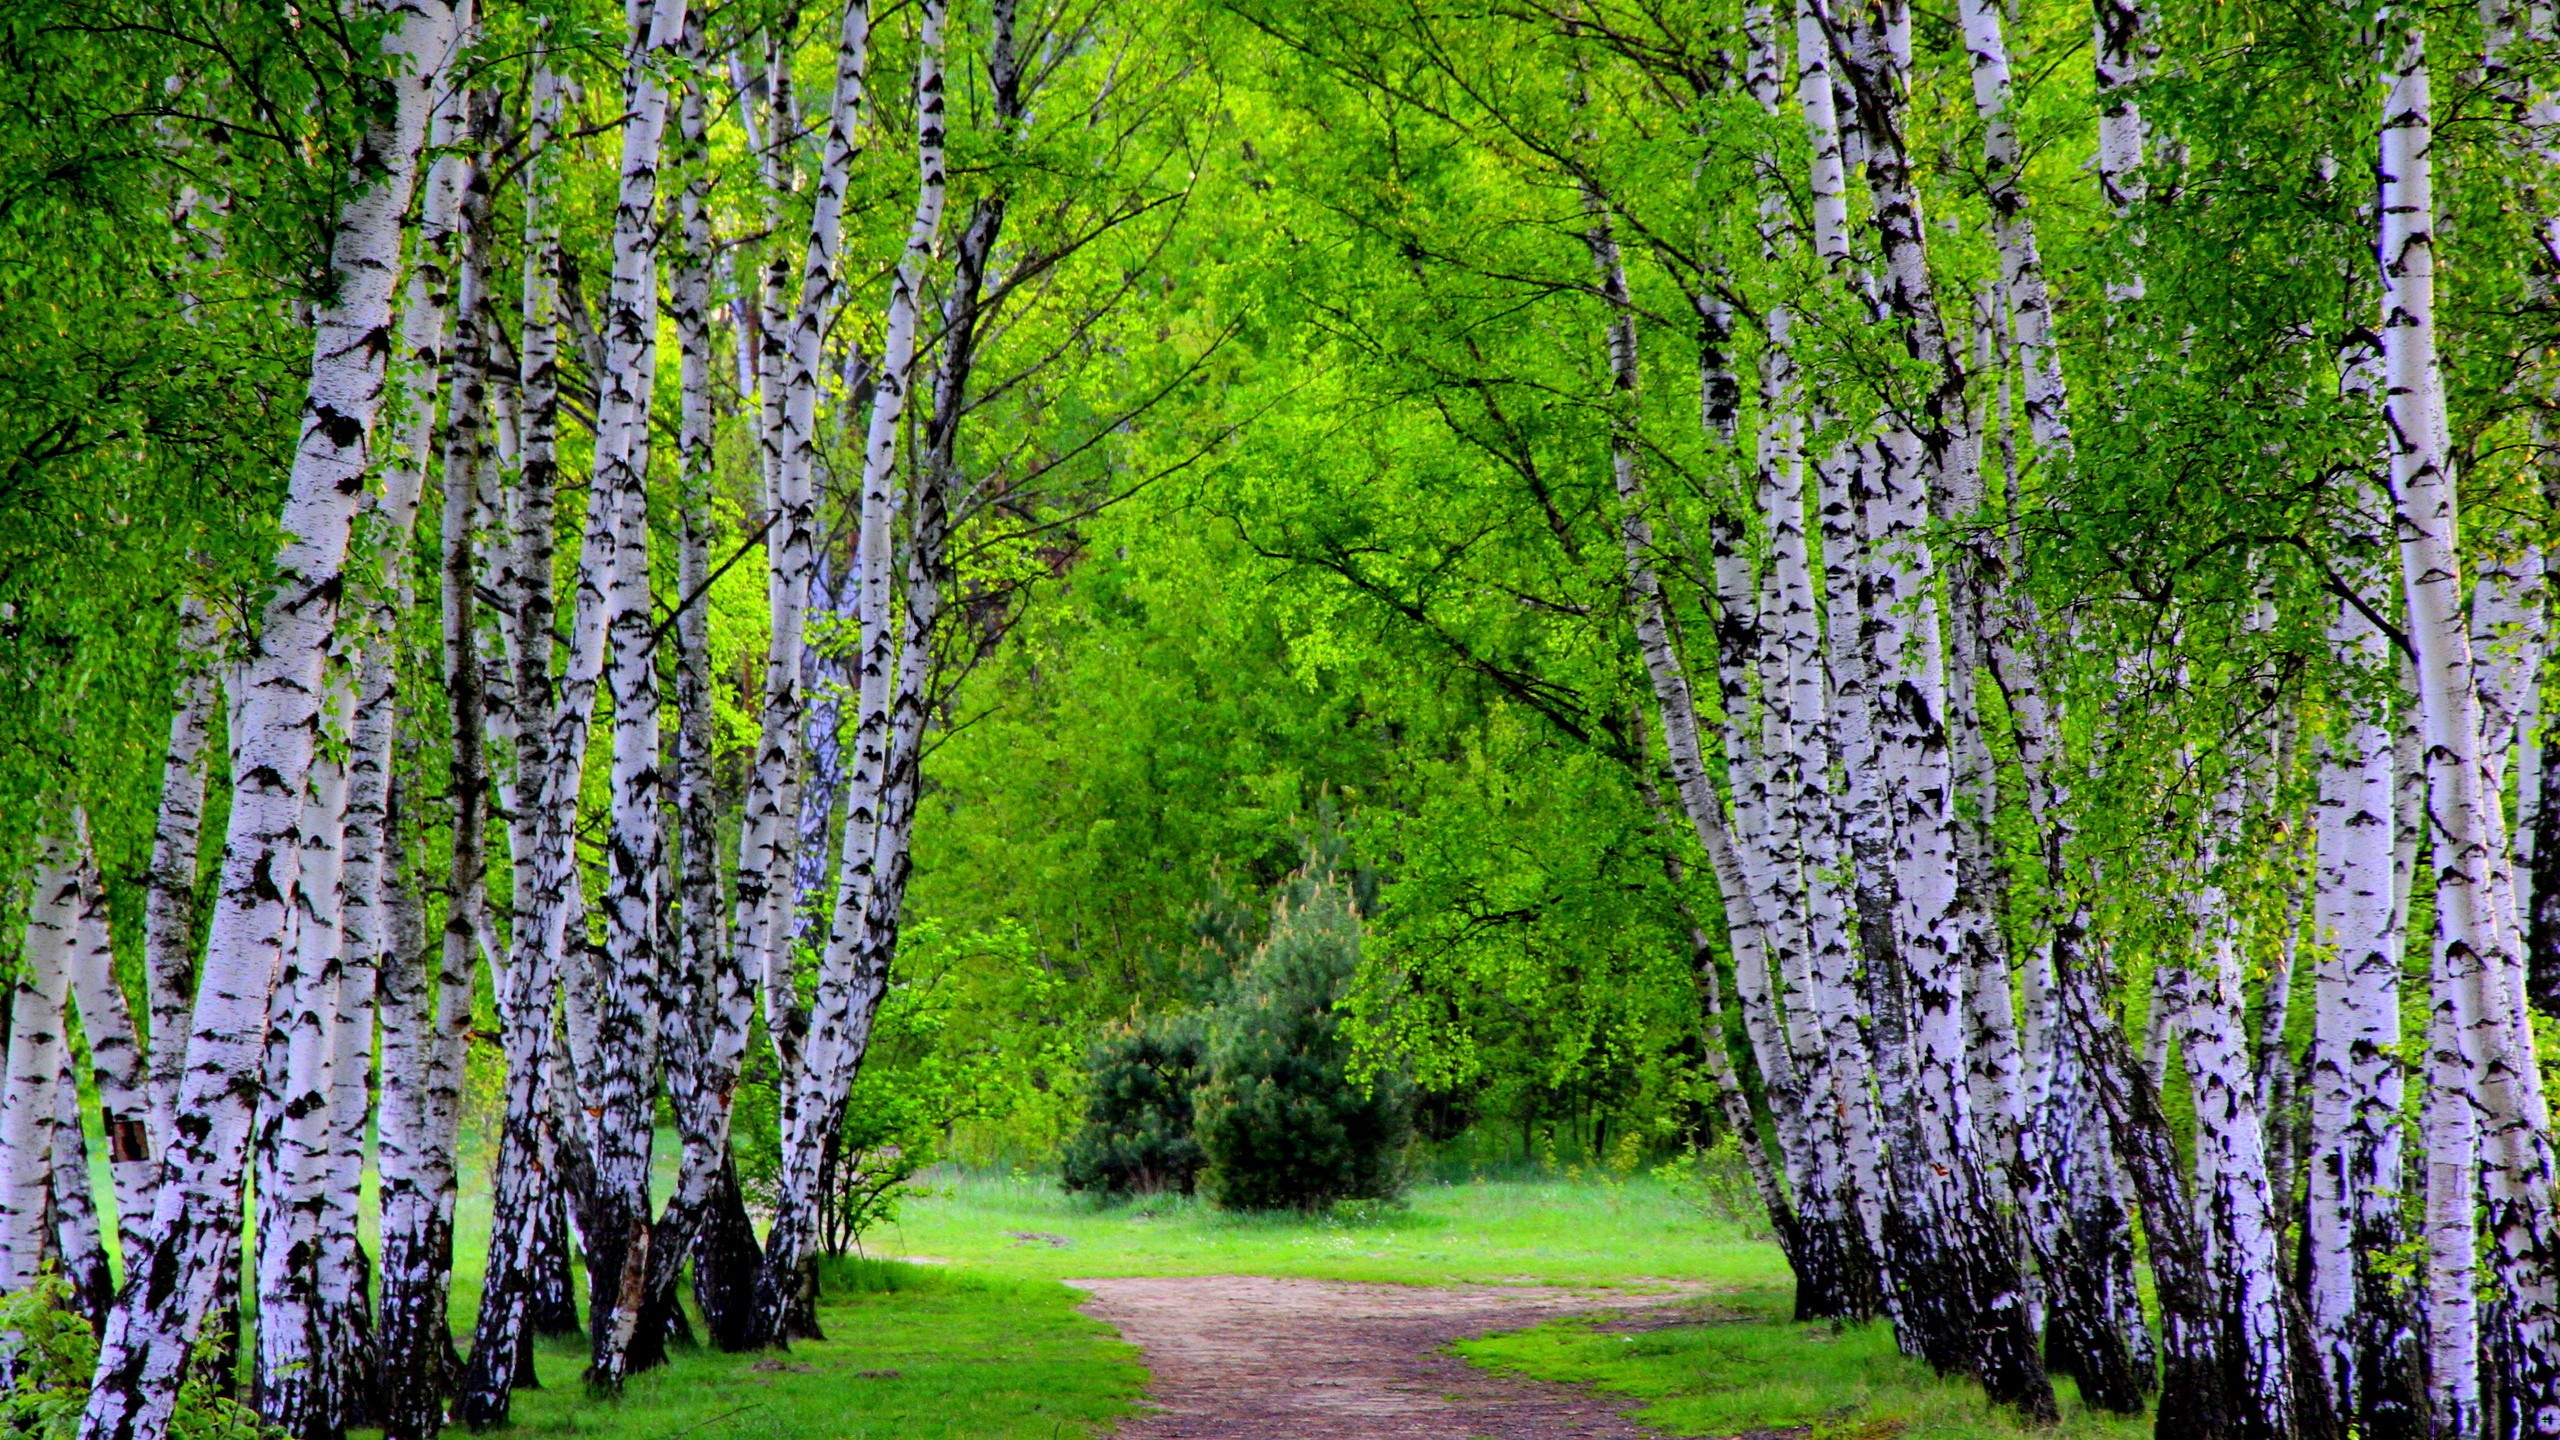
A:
1280,1119
48,1354
1137,1132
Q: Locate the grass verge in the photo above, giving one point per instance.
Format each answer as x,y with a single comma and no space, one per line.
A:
912,1353
1747,1368
1550,1232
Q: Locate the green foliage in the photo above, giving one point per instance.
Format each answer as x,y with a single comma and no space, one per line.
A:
1137,1136
1281,1119
48,1353
1566,1233
966,1048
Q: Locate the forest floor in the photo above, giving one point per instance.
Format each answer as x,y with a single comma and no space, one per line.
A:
1001,1309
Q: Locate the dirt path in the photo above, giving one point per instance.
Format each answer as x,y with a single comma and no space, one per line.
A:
1245,1358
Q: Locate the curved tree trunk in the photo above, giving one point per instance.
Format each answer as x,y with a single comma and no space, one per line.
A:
846,991
144,1352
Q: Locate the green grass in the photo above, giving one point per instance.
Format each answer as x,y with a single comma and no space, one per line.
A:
1551,1232
912,1353
1746,1367
962,1299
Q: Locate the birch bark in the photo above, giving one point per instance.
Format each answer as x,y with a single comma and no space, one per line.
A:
116,1061
293,1380
2476,1053
625,1085
846,991
169,902
522,1189
707,1004
1959,1259
77,1243
38,1058
144,1349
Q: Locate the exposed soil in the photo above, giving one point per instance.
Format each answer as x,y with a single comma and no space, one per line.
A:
1239,1357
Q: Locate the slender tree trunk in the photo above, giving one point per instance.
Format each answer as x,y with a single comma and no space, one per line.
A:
292,1382
1957,1252
116,1060
169,901
522,1199
625,1081
706,1008
846,991
38,1058
2479,1056
78,1245
144,1351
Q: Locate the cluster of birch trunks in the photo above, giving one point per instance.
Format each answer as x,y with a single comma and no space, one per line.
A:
309,1029
1968,1141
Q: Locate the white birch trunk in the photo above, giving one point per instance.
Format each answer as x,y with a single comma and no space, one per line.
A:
37,1061
116,1061
2478,1055
844,999
521,1187
169,903
294,1129
78,1244
625,1082
2233,1194
144,1349
764,898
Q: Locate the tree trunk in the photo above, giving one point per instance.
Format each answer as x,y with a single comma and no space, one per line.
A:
522,1202
144,1351
78,1246
38,1057
846,989
625,1083
292,1389
169,901
2479,1056
116,1061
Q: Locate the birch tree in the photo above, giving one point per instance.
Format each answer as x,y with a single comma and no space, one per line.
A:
145,1346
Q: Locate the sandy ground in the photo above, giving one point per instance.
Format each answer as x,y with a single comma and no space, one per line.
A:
1245,1358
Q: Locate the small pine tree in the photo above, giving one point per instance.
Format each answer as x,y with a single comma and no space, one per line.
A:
1137,1131
1280,1119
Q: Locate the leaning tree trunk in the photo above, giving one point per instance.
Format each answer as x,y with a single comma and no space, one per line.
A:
169,900
2478,1053
831,1049
143,1355
421,1088
291,1384
700,1044
523,1202
1957,1252
116,1062
78,1246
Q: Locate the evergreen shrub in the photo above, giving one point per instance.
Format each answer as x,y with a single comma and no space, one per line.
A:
1137,1136
1282,1122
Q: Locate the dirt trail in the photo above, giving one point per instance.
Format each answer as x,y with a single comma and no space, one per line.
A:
1239,1357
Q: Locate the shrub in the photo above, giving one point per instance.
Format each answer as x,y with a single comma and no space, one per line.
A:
1282,1123
1137,1132
48,1354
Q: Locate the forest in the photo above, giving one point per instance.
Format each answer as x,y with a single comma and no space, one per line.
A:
627,632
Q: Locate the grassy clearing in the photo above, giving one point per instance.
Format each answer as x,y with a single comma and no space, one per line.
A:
912,1353
1748,1368
961,1300
1549,1232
